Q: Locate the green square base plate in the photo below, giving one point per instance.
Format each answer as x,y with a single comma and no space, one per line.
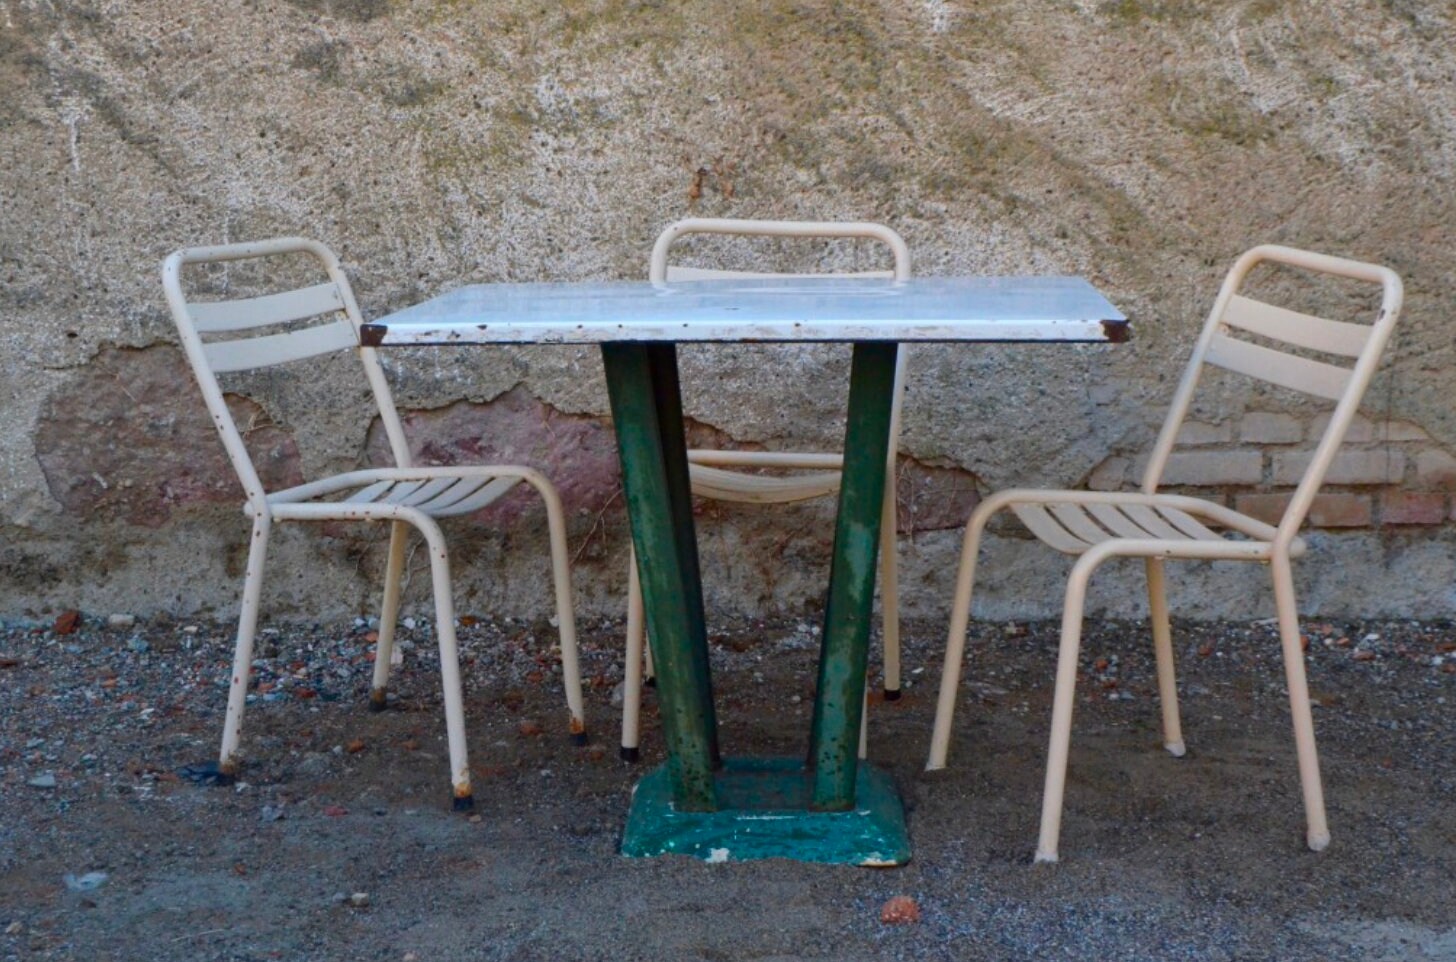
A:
764,813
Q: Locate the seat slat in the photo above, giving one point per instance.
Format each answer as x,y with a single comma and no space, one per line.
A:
212,317
1292,327
1188,524
425,492
251,352
399,494
1075,519
1152,522
1117,522
1276,367
370,493
1040,523
486,495
459,489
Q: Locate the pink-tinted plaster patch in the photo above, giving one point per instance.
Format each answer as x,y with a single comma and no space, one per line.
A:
577,453
130,438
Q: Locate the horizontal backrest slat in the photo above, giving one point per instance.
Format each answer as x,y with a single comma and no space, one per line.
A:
1292,327
1276,367
250,352
676,273
211,317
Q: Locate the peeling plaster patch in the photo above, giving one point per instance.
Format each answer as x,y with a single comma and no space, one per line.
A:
933,499
129,438
578,455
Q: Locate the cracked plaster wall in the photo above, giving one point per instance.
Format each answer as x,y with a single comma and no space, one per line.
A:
1140,143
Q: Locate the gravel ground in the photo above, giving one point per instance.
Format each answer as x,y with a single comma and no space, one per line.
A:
339,843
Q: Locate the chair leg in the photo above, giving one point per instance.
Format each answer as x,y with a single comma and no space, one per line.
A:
890,591
1062,703
565,615
1163,649
649,673
1317,829
232,729
388,614
632,682
955,643
463,800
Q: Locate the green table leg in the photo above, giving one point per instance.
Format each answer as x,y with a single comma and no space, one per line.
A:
744,808
647,413
839,700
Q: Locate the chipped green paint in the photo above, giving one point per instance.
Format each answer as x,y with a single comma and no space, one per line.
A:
642,384
839,699
763,815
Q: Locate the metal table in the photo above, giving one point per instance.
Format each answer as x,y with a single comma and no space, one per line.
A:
826,807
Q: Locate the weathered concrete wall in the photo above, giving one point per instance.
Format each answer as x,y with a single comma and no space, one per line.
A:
1142,143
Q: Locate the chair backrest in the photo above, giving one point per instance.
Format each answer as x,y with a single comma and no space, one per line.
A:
1224,342
276,328
660,271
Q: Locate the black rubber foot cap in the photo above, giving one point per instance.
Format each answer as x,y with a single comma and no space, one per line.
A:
650,682
463,803
377,704
207,773
892,694
630,755
578,738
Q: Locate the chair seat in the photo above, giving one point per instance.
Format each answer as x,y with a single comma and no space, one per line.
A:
723,485
435,492
1073,522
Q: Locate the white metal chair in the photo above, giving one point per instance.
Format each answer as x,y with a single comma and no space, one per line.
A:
1153,526
710,471
404,495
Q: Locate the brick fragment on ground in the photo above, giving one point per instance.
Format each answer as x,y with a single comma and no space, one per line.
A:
900,910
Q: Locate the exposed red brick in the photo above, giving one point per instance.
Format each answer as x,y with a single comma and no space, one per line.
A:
1195,433
1340,511
1362,429
1327,511
1374,466
1270,427
1268,508
1412,507
1435,469
1213,468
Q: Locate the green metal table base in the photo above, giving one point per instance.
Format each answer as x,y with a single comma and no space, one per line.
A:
830,809
764,812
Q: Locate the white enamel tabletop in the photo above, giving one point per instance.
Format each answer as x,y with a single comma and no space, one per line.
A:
760,309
